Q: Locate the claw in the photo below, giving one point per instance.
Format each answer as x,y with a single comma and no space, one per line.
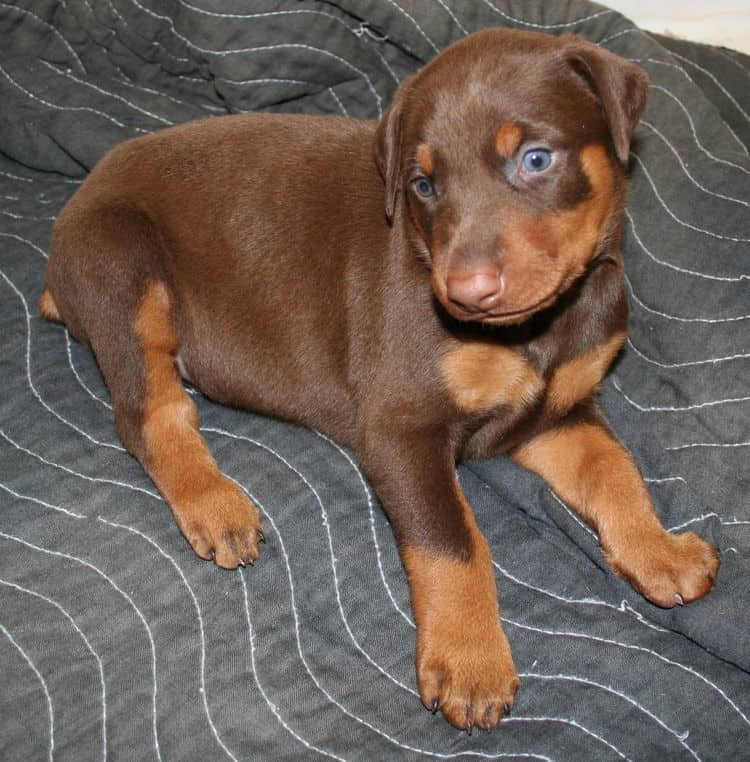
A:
435,706
261,536
507,708
679,599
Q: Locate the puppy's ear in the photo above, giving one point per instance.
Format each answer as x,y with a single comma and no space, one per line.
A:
621,86
388,149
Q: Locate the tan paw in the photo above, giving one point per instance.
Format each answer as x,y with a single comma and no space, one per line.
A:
668,569
471,680
221,524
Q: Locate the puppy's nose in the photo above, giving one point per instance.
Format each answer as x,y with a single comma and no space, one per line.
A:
475,290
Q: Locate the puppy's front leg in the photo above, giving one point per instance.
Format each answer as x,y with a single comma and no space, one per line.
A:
589,469
464,664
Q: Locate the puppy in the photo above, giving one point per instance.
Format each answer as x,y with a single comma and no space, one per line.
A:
443,284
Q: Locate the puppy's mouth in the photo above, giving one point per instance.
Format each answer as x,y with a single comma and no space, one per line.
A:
501,317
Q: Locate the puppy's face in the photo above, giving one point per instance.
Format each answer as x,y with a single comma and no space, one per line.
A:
509,151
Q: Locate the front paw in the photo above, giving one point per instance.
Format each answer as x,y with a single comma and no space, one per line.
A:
220,523
668,569
469,676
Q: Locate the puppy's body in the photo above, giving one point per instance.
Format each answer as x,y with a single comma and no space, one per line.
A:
290,350
444,283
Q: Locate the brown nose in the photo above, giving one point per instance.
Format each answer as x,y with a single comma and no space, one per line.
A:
475,290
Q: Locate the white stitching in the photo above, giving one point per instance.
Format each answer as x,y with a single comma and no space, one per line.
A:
675,317
563,25
643,649
44,102
88,645
685,170
608,689
690,363
109,94
169,558
34,391
137,611
52,29
684,224
672,408
43,683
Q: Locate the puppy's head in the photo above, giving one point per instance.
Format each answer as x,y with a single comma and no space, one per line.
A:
507,155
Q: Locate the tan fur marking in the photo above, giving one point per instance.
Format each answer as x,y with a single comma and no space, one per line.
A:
463,657
577,232
588,468
442,582
546,252
508,139
578,379
170,419
482,375
592,472
48,308
212,512
425,159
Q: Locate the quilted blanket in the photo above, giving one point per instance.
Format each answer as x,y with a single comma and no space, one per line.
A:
117,642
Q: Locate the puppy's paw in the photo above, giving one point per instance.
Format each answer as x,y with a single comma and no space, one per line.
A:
669,569
221,524
471,680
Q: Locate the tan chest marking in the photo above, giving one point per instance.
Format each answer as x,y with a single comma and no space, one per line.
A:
576,380
483,375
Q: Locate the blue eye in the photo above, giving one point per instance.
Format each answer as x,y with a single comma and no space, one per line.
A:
537,160
424,187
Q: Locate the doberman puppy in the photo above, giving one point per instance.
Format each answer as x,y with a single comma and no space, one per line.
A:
445,283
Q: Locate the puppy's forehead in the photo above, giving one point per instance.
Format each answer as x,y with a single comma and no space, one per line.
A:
470,90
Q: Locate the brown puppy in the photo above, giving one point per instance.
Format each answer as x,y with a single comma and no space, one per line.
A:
446,283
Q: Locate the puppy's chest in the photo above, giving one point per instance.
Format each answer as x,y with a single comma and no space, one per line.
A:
484,376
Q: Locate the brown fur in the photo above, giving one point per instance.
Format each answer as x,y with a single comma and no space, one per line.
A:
289,265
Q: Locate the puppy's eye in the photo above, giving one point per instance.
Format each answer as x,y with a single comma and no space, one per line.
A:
537,160
424,187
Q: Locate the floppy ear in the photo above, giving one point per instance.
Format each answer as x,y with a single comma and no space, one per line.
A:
388,150
620,85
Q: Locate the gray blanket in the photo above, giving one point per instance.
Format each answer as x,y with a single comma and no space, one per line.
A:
117,642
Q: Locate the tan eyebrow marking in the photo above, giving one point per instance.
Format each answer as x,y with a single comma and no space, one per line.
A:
425,159
508,138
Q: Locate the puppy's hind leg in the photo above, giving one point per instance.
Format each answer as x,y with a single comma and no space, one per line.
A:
103,282
212,512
